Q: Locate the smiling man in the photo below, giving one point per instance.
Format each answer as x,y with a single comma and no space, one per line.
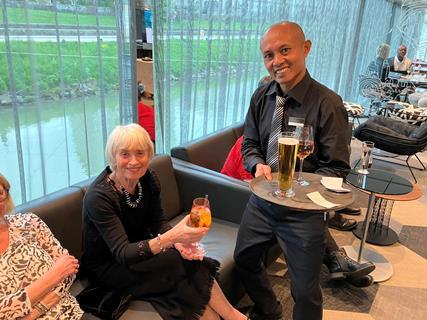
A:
400,62
301,235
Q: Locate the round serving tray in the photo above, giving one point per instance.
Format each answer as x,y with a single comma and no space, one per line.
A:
264,189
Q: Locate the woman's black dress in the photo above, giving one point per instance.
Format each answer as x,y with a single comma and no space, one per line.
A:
113,235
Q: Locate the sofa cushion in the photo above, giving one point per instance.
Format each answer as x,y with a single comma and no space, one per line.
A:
219,244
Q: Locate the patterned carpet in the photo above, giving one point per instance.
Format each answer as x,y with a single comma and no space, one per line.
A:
404,295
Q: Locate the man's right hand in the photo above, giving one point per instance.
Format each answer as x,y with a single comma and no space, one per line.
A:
263,169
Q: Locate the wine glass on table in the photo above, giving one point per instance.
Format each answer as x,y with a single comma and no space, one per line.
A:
200,217
305,148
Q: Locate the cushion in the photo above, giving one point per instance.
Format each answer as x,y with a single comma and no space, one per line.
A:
354,109
392,135
233,166
406,112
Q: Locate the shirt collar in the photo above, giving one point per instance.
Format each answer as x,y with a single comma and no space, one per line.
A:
297,93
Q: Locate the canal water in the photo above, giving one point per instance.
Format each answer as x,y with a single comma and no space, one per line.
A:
53,133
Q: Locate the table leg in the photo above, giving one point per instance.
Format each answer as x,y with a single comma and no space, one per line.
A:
366,225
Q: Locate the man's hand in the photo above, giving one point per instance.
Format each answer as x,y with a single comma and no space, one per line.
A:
263,169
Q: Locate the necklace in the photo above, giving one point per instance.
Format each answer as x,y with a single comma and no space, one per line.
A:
129,202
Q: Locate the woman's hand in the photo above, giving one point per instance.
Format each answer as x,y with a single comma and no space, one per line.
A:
189,251
64,266
183,233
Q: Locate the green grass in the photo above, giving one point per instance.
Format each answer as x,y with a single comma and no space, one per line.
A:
250,50
17,15
45,64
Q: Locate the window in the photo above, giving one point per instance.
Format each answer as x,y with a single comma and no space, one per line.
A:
65,82
207,59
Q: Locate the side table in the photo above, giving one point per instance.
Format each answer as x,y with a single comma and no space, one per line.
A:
379,231
376,182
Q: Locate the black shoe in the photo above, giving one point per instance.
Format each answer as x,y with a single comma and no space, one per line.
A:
341,266
276,315
354,211
361,282
338,222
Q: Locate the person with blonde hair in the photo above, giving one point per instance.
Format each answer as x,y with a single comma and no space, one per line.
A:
36,271
378,67
129,246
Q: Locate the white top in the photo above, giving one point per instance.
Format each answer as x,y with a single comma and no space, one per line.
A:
401,65
31,252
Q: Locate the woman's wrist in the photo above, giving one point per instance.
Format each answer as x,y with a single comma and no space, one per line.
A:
41,308
164,241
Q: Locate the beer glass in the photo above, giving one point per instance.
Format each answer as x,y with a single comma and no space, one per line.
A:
288,149
366,157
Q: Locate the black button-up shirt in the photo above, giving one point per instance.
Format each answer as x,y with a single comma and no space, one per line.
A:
320,107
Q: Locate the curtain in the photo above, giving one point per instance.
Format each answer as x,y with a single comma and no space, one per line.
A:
66,75
207,60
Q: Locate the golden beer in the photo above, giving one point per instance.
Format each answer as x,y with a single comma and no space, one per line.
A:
288,149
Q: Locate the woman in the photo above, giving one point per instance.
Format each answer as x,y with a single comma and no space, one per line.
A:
129,245
146,117
35,271
378,67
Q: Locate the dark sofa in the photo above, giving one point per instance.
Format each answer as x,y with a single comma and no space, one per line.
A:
208,155
62,212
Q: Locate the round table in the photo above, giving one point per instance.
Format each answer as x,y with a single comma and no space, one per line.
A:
379,231
376,182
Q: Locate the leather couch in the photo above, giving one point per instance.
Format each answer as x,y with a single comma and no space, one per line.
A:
62,212
208,155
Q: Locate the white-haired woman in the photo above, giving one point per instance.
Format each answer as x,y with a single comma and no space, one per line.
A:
378,67
35,271
129,245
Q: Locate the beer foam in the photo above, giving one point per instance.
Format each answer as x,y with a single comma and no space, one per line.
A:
288,141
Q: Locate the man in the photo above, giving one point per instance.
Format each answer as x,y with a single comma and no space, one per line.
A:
400,63
301,235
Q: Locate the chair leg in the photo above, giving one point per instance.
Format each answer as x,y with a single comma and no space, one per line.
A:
422,164
409,167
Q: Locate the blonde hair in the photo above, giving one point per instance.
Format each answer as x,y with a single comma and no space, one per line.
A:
130,136
383,50
8,201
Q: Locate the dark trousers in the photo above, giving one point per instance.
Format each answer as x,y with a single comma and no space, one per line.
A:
301,236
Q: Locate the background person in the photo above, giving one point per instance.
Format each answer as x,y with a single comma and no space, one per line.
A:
301,235
35,271
129,245
146,116
400,63
378,67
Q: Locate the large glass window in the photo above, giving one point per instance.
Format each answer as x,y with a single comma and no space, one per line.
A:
65,82
208,63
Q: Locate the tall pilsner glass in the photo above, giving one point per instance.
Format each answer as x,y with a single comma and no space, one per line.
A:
288,149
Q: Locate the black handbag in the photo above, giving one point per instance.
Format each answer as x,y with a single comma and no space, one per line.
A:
102,303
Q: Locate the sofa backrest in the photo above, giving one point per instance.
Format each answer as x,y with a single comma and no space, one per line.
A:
171,202
62,212
210,151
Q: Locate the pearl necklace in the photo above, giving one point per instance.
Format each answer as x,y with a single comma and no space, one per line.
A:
129,202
